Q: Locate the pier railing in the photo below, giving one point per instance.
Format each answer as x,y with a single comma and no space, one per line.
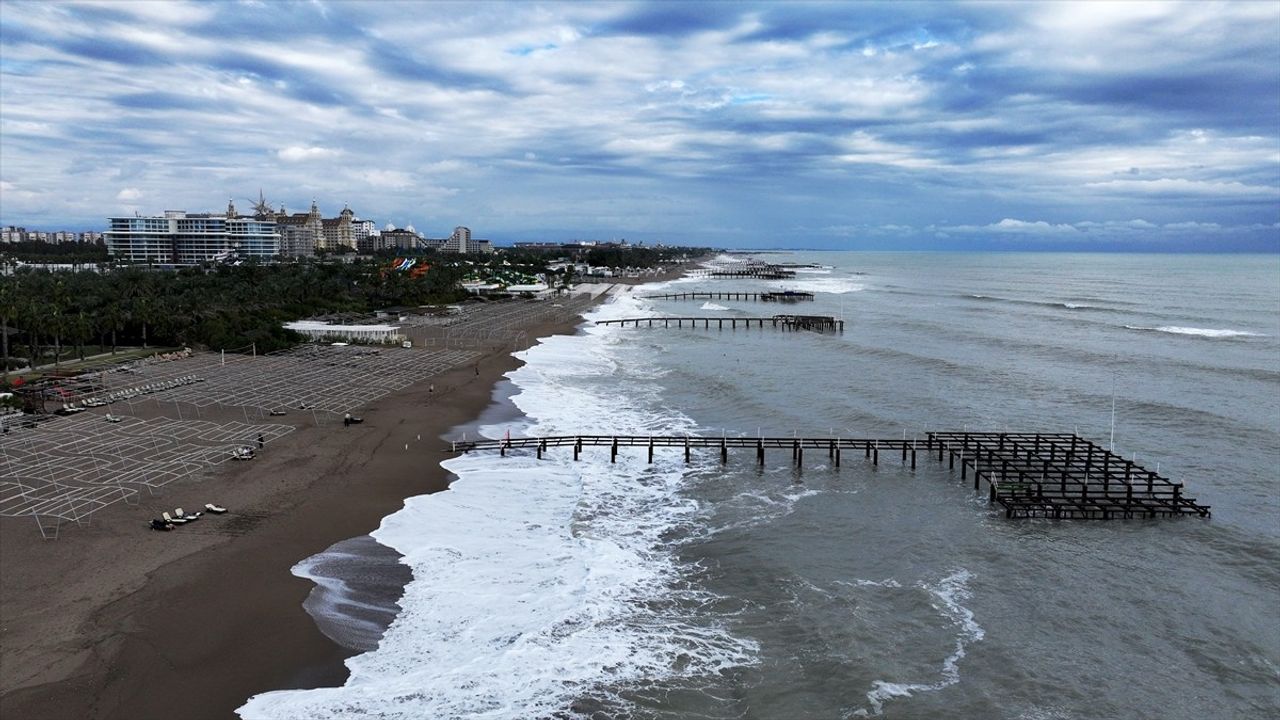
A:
817,323
1030,475
780,296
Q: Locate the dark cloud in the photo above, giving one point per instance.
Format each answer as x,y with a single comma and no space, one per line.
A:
289,81
111,50
671,19
400,62
159,100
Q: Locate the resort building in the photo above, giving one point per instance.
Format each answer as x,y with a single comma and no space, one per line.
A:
462,242
180,238
309,232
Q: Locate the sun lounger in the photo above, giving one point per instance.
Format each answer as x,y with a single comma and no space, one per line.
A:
186,515
215,509
172,520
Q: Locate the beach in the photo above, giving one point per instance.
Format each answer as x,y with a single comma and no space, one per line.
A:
113,620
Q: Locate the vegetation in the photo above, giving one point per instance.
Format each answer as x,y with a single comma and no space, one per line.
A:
60,314
53,315
35,251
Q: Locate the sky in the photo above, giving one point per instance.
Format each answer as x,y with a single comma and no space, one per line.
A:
1037,125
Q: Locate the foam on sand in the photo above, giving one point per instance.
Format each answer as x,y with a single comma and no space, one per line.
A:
535,581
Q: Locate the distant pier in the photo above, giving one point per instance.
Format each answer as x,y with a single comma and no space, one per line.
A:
759,272
815,323
781,296
1031,475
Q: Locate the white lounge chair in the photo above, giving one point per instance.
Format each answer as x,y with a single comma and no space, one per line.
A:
172,520
186,515
215,509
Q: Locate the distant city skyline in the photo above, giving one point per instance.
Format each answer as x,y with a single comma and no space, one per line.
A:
1106,126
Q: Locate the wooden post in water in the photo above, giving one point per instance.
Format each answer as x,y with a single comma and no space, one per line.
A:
686,449
650,449
760,451
613,451
577,448
875,455
724,451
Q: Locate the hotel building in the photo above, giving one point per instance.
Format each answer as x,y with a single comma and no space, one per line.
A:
180,238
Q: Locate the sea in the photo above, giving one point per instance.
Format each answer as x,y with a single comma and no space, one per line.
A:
560,589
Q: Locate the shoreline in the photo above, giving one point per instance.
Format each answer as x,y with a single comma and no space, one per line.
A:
200,619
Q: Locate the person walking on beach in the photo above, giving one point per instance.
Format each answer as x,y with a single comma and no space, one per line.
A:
261,441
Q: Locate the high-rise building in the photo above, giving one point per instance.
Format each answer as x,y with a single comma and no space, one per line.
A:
186,239
462,242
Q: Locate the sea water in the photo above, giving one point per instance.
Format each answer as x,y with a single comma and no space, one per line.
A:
556,588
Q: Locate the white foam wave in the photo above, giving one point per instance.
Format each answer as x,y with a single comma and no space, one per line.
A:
534,581
713,306
1075,306
948,594
824,270
860,582
1200,332
833,285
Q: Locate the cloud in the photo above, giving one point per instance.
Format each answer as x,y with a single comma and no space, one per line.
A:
1009,121
129,195
1182,187
295,153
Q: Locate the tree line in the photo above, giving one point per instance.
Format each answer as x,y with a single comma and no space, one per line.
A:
52,315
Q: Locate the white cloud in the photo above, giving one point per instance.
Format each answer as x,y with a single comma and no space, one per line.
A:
298,154
129,195
1183,186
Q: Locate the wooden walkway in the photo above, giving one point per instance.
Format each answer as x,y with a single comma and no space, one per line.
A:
759,273
1030,475
816,323
782,296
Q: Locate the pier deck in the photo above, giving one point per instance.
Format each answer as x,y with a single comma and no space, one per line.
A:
781,296
1030,475
816,323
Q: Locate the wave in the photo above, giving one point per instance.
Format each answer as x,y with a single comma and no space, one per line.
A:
948,595
1063,305
833,285
713,306
1199,332
539,583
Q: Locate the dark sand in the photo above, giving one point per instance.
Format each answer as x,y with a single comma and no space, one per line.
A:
116,621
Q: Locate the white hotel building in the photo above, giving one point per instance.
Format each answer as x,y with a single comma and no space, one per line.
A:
179,238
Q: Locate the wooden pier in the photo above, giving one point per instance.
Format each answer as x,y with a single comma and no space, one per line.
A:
815,323
759,273
781,296
1030,475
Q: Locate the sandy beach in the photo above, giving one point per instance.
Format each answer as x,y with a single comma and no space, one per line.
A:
115,621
